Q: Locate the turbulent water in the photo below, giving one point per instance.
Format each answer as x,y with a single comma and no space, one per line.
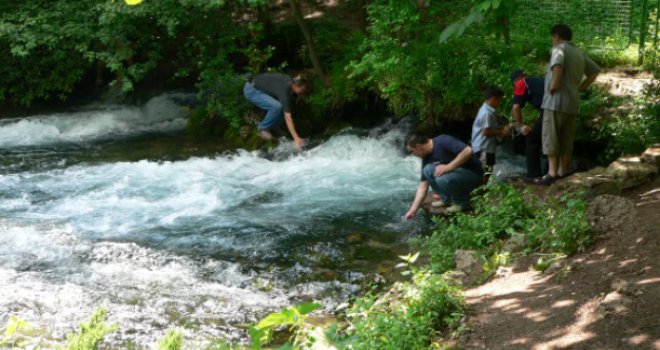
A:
110,207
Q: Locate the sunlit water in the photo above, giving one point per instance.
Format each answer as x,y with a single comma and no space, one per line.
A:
111,207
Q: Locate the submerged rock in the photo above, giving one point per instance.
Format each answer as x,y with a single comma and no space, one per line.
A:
355,238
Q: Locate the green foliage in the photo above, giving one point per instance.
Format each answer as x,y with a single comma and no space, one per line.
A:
558,226
50,46
91,334
478,12
262,333
500,211
624,126
173,340
402,61
409,316
342,87
14,332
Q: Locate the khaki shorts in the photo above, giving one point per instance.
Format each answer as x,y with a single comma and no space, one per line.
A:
558,133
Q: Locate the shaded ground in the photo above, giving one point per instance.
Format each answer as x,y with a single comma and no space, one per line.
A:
605,298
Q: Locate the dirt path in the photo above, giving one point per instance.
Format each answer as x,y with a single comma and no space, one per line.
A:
605,298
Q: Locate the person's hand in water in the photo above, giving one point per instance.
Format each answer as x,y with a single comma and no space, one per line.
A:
409,215
299,143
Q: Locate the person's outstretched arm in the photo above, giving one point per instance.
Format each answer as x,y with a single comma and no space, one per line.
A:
420,196
497,132
292,129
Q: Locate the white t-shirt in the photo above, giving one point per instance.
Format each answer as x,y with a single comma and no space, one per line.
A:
486,118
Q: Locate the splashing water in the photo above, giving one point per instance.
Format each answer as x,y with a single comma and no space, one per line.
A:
203,243
160,114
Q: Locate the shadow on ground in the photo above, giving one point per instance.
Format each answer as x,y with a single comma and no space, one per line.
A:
605,298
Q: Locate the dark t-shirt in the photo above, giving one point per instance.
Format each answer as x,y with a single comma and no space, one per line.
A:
276,85
529,90
445,149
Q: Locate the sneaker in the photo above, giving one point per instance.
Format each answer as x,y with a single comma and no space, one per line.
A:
265,134
438,204
545,180
454,209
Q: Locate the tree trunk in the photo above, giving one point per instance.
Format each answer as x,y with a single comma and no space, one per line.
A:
362,15
657,22
506,29
297,15
642,32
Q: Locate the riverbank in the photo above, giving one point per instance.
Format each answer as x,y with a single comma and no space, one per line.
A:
597,294
603,298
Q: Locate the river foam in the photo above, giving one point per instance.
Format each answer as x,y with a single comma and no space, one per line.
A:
160,114
202,244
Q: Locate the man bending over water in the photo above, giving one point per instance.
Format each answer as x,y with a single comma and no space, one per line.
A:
273,92
449,167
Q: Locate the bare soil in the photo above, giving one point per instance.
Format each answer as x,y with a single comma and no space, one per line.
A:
607,297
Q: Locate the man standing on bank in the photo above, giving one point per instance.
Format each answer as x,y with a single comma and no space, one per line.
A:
449,167
561,102
528,89
273,92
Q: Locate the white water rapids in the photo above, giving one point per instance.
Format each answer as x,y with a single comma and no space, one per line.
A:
201,244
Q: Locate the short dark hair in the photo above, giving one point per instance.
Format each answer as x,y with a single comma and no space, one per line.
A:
493,91
415,138
299,80
517,73
562,30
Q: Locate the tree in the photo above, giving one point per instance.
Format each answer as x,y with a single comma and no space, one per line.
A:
316,63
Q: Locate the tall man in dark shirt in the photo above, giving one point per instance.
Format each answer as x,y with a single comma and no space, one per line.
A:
273,92
449,167
527,89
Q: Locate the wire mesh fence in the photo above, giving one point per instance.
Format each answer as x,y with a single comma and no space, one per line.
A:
606,24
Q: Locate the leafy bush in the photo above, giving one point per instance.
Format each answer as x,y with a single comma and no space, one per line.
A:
558,225
262,333
173,340
624,130
633,132
90,334
409,316
402,60
14,333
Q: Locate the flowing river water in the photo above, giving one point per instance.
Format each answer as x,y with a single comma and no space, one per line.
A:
110,206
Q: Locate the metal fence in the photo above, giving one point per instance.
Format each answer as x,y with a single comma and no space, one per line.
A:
606,24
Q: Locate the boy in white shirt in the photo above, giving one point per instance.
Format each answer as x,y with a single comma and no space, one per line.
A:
485,129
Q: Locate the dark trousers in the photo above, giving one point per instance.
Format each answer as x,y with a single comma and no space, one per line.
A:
533,148
487,162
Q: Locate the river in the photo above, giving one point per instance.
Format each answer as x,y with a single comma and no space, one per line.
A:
112,206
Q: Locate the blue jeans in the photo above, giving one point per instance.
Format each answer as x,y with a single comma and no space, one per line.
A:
454,186
274,115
